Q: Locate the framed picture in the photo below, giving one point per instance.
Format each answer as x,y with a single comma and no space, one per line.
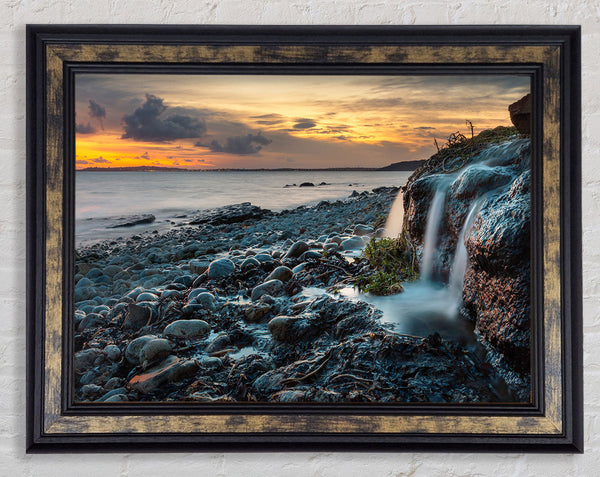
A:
283,238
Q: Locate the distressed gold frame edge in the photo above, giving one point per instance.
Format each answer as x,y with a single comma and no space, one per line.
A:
57,424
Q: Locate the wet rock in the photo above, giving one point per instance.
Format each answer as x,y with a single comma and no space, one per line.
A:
280,273
264,258
299,268
92,320
137,317
311,254
206,300
113,392
254,314
112,383
91,391
220,342
186,329
230,214
117,398
199,266
249,262
353,243
171,370
306,184
296,249
362,229
113,353
155,349
269,383
291,329
272,287
185,280
146,296
220,268
132,352
135,292
130,221
88,358
211,363
195,292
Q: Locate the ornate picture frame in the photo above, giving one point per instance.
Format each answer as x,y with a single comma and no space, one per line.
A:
549,55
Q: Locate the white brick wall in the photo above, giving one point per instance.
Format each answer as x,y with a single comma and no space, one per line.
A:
14,14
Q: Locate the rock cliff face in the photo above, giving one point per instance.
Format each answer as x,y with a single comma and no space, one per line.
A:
494,180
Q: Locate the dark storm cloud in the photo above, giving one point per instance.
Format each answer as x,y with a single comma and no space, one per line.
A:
85,128
239,145
267,122
269,119
304,123
96,111
146,123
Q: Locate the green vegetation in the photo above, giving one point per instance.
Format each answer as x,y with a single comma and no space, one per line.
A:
379,283
392,262
459,149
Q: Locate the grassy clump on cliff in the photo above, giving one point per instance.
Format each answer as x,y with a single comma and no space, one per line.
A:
459,149
392,263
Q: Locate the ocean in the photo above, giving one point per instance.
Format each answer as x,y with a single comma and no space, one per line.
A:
170,195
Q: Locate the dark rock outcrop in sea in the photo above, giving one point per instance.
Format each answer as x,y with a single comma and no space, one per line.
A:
230,214
130,220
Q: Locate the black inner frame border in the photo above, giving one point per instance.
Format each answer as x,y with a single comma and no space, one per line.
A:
535,408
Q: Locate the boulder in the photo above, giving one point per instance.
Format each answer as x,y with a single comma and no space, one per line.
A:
520,114
87,359
280,273
362,229
186,329
272,287
155,349
206,300
113,352
353,243
291,329
296,249
221,268
137,316
132,352
171,370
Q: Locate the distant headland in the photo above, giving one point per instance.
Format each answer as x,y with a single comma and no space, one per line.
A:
396,166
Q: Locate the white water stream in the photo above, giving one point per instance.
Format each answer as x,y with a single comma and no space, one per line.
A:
428,305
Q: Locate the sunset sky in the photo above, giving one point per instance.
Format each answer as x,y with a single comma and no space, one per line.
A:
268,121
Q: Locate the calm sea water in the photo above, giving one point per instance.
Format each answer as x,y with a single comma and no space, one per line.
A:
168,195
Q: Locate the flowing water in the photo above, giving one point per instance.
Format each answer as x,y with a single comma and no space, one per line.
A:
434,219
395,220
430,305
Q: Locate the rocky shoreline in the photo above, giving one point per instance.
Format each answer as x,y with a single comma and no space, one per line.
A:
245,305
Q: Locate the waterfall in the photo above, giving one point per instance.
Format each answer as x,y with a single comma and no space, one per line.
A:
461,258
434,218
393,224
429,305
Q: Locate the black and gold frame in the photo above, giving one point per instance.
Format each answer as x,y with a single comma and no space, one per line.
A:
552,421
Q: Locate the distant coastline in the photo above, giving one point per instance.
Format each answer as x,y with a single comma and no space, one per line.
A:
397,166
